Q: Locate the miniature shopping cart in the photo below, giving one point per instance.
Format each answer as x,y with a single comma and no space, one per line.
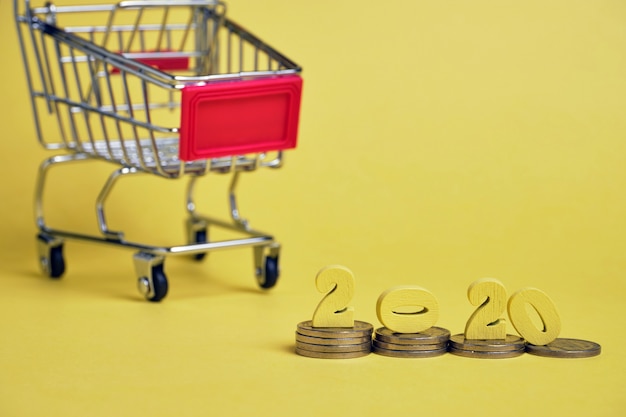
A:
172,88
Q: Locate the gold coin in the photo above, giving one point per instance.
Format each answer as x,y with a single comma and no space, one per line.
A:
394,346
332,355
332,341
511,343
334,348
429,336
566,348
486,354
409,353
360,329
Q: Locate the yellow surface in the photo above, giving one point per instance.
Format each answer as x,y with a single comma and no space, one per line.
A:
441,142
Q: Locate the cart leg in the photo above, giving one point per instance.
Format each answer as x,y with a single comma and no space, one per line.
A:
197,232
42,175
266,266
197,228
152,282
232,199
238,222
104,194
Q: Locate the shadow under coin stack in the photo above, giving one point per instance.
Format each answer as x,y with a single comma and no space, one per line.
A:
509,347
425,344
334,342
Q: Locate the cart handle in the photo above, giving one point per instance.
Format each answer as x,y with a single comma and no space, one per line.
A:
162,3
130,4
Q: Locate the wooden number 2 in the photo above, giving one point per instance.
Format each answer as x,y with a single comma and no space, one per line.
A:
333,311
522,322
485,323
407,309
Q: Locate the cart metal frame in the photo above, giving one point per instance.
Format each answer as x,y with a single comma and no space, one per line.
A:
98,81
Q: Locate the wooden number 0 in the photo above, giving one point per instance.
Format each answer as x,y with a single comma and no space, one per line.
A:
407,309
333,311
546,309
485,323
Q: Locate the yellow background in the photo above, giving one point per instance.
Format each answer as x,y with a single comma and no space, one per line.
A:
440,142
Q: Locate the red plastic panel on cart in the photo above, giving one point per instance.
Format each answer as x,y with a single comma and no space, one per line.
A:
239,117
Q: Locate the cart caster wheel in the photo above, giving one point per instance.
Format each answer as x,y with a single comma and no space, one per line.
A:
152,282
157,290
270,278
200,236
51,256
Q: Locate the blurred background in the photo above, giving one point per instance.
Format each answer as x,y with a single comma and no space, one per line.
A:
440,142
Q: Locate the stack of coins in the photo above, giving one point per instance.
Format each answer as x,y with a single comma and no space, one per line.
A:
334,342
509,347
425,344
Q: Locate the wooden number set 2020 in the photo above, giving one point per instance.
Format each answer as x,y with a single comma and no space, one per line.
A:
409,313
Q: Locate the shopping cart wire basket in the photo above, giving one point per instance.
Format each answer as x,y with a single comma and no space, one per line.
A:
172,88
